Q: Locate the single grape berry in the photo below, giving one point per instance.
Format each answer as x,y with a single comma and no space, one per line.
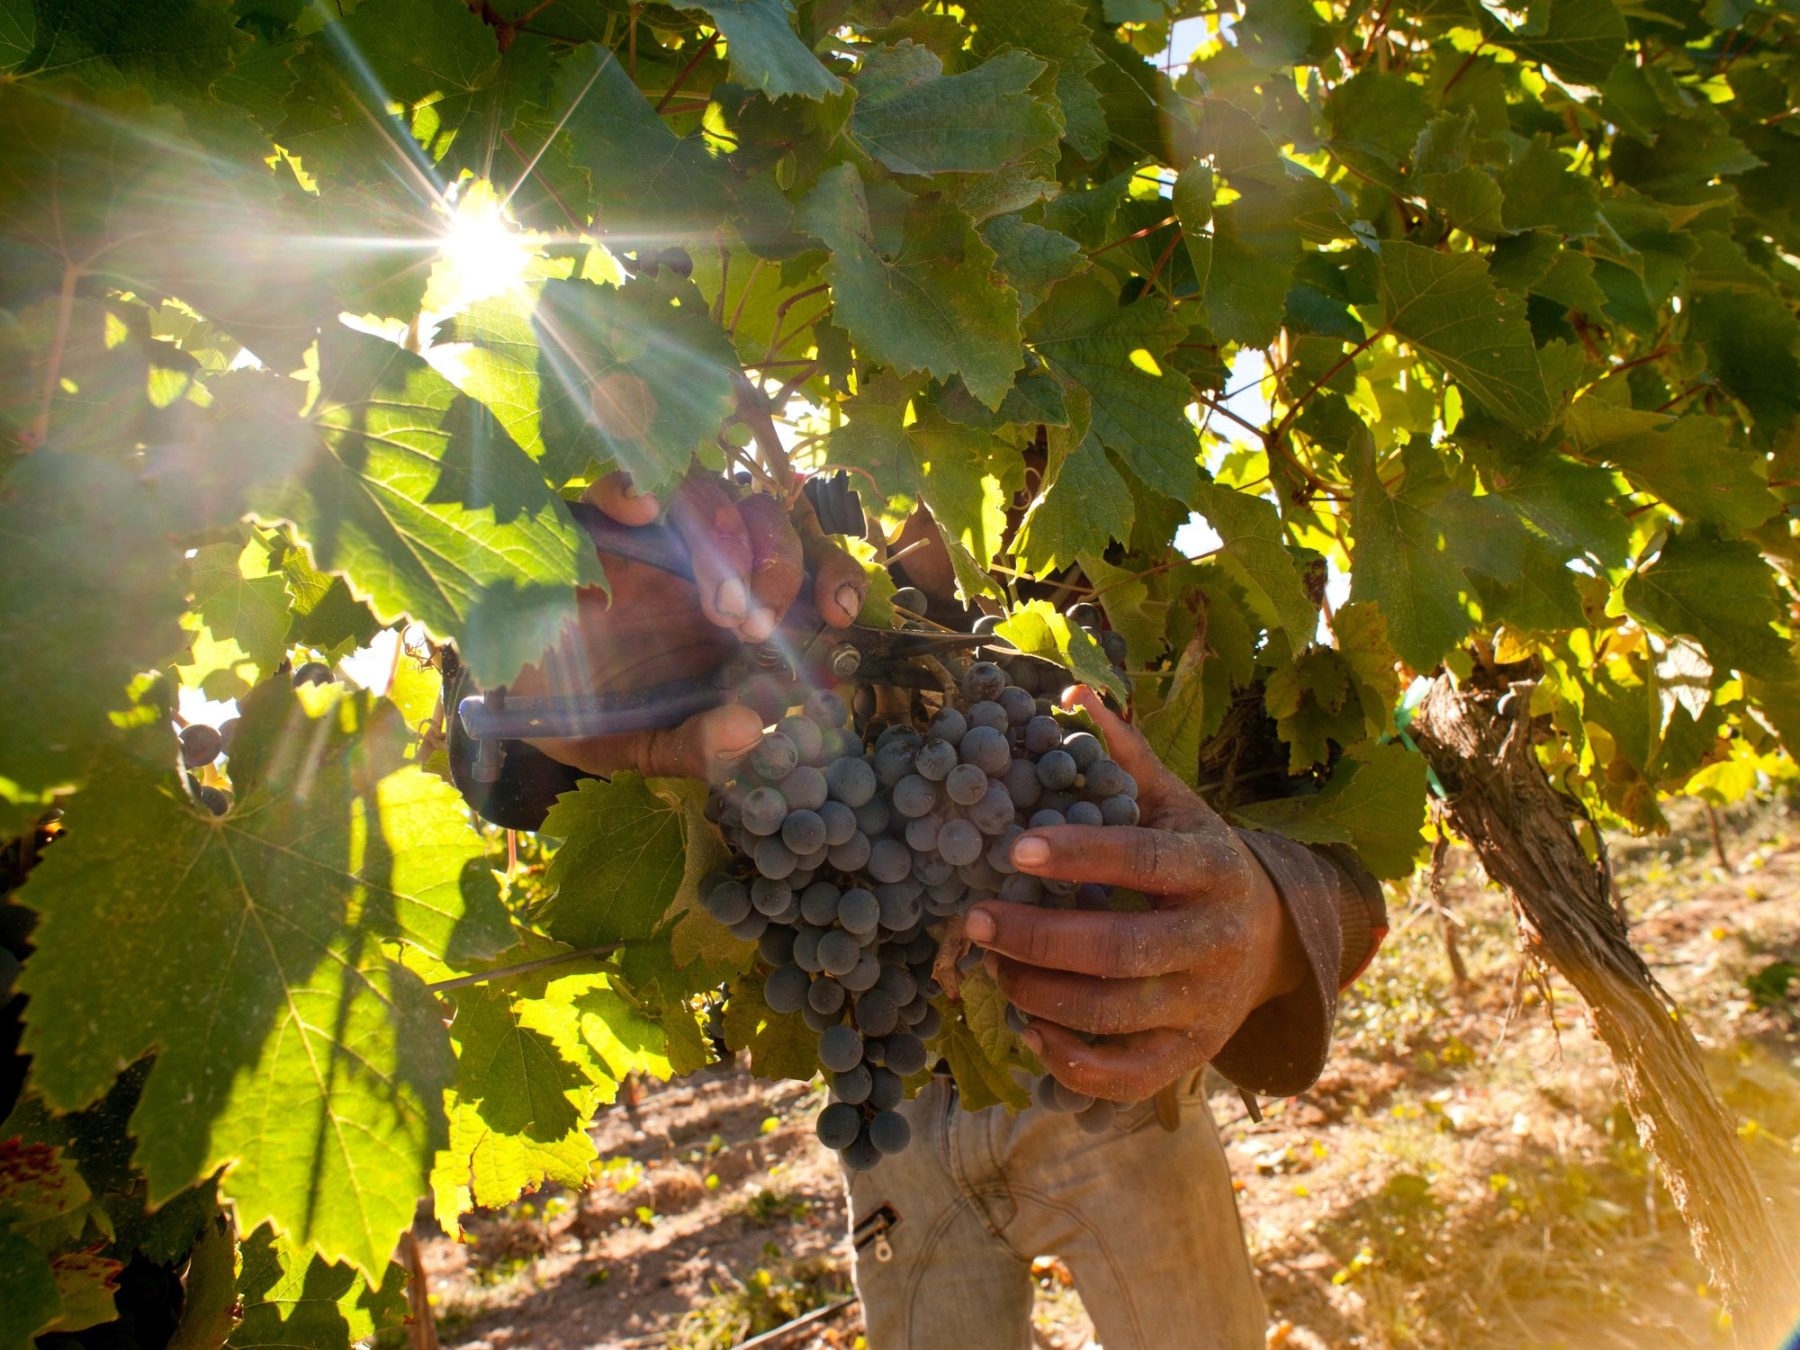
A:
213,799
983,680
838,1125
988,714
840,823
922,833
911,599
1084,747
728,901
1118,811
1020,706
785,991
228,730
889,860
949,725
819,904
1056,770
852,1086
889,1132
965,784
1084,615
1084,813
775,859
1112,642
850,856
776,946
804,788
906,1052
862,1155
763,810
840,1048
826,996
1044,817
824,707
806,734
935,759
313,672
987,750
859,911
803,831
200,745
894,761
1104,779
851,780
771,897
1021,783
876,1012
838,952
959,842
914,796
886,1090
1042,734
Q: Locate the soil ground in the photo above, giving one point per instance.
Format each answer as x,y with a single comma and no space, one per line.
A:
1461,1176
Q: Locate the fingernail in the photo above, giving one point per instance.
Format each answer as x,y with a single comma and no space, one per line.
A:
849,600
759,625
732,598
1033,1041
1030,851
979,926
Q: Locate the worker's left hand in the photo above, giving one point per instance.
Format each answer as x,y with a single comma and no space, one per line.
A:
1166,988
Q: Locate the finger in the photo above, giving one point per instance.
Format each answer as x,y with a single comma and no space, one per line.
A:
777,567
615,495
1122,1068
1145,858
1100,1007
705,746
708,520
1115,946
1126,744
839,582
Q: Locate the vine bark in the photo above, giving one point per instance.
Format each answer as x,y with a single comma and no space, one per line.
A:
1500,800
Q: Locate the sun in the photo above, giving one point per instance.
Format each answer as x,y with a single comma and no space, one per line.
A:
484,252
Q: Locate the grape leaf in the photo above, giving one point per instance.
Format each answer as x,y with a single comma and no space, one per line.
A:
1688,462
1541,192
81,557
621,863
647,181
240,599
1719,592
631,375
29,1302
1374,801
982,1050
1447,306
781,1045
934,306
291,1049
1255,555
1118,354
1037,629
420,500
1082,502
500,365
111,45
917,120
1190,712
765,53
294,1298
1578,39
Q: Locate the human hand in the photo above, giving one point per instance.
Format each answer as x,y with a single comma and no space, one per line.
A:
1166,988
749,565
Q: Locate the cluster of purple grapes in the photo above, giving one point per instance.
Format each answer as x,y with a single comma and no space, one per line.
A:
853,852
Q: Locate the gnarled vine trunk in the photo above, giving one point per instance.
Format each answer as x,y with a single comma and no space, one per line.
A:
1500,800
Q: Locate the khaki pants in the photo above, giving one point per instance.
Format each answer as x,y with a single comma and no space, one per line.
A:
1145,1219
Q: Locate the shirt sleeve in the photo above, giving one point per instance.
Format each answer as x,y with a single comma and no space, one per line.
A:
1339,914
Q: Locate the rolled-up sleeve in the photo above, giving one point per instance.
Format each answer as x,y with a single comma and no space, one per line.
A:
1340,917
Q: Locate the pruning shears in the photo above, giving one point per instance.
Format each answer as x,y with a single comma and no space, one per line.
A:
803,652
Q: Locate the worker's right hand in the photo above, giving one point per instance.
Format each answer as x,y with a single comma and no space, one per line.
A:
749,564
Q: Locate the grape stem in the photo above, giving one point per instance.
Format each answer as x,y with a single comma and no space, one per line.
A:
526,967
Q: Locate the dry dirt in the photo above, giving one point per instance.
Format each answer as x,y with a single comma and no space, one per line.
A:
1460,1176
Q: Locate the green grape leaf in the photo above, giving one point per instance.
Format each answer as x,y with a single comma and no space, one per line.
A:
646,179
1542,192
1308,695
781,1045
1255,555
383,86
1374,802
295,1298
1082,503
1719,592
982,1050
1687,462
917,120
420,500
324,615
522,1103
765,52
18,32
621,863
240,599
1447,306
1029,256
82,557
1416,542
110,45
500,366
291,1049
934,306
1578,39
1119,355
630,378
1190,712
29,1302
1036,629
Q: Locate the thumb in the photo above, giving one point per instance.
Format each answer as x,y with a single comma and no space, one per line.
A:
1126,744
705,746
